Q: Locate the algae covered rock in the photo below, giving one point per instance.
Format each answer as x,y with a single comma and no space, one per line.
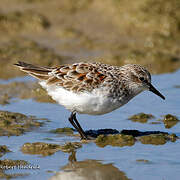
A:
142,160
129,137
141,117
47,149
15,124
65,130
9,164
170,117
170,121
4,98
70,146
3,150
157,139
172,137
44,149
115,140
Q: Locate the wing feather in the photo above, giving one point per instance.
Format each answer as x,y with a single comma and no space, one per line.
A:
76,77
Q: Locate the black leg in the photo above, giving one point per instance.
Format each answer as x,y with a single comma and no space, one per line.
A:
76,125
79,126
72,122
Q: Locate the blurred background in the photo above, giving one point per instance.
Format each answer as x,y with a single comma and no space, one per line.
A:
116,32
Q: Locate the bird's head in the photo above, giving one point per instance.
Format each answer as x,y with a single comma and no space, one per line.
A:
140,79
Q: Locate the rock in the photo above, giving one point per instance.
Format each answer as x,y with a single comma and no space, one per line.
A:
115,140
46,149
3,150
15,124
141,117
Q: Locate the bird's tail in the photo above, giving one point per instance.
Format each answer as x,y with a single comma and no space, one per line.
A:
41,73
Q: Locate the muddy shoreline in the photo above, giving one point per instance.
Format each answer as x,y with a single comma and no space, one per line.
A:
37,140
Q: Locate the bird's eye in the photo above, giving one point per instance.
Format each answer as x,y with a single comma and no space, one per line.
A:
142,78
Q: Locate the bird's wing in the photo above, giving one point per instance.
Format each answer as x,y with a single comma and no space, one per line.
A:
76,77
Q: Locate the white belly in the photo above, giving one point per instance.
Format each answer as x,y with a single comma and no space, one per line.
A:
95,103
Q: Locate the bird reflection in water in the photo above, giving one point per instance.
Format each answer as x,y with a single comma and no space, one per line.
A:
88,170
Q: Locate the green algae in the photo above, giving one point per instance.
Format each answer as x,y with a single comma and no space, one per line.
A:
8,164
155,122
157,139
15,124
70,146
115,140
23,90
4,175
3,150
65,130
172,137
170,117
159,26
141,117
170,121
4,99
18,21
129,137
142,161
26,50
46,149
153,42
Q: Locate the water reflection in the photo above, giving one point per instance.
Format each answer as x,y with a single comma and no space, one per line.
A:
88,170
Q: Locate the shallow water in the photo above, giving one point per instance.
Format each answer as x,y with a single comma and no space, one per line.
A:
94,162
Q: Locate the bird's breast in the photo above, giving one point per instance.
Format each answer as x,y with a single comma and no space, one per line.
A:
96,102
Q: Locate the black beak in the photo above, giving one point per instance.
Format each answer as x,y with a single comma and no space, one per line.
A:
155,91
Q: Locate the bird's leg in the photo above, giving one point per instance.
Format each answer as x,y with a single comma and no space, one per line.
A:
72,122
79,126
76,126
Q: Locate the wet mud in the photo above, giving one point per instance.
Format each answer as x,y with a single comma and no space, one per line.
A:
50,33
15,124
33,32
27,50
23,90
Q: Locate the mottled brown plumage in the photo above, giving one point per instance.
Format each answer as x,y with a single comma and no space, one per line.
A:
91,88
76,77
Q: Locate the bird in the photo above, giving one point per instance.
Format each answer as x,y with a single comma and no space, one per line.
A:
91,88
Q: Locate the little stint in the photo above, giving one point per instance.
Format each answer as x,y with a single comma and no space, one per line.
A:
91,88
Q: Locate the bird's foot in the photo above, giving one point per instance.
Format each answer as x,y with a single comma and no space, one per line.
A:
85,137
